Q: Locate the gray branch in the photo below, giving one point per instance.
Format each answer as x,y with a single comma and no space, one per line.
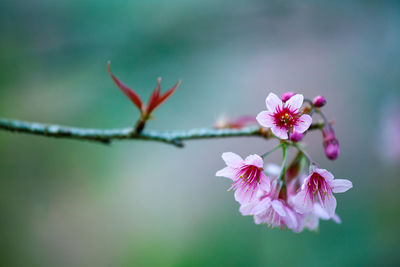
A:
107,135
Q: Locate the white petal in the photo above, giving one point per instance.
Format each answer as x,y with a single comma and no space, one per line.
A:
295,102
303,124
265,119
273,102
227,172
280,132
231,159
341,185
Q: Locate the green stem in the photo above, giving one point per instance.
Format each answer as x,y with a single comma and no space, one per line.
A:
272,150
283,168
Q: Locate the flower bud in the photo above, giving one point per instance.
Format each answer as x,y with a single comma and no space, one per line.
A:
331,144
319,101
296,136
286,96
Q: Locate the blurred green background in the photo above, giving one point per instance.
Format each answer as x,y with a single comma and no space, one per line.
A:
70,203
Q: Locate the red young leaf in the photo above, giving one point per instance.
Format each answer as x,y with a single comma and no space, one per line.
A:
154,97
165,96
126,90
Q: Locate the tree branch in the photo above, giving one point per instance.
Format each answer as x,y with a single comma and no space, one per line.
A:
105,136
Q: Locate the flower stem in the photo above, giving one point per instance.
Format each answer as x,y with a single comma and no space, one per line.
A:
283,168
272,150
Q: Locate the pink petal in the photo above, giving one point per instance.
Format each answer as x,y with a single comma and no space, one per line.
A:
295,102
255,160
246,209
278,207
228,172
330,205
303,124
311,222
302,202
336,219
320,212
262,206
265,119
341,185
231,159
273,102
259,219
280,132
243,196
291,220
324,173
265,183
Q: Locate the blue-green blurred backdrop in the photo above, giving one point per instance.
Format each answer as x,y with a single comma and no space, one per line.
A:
70,203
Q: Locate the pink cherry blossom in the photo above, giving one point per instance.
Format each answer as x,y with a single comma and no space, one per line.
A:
248,175
283,117
272,209
319,187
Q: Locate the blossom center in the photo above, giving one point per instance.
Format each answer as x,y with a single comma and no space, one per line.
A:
285,117
317,186
247,176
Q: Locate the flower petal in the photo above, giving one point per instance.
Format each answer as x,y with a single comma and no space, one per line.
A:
247,208
336,219
273,102
303,124
291,220
227,172
324,173
265,119
302,201
244,196
255,160
232,160
311,221
278,207
262,206
330,205
341,185
280,132
265,183
295,102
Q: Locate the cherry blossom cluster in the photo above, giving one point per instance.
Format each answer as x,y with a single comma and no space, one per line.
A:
295,195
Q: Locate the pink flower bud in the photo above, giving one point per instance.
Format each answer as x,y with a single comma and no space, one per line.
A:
286,96
296,136
331,144
319,101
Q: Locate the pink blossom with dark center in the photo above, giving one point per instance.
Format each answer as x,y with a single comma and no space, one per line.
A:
319,187
272,208
284,117
247,175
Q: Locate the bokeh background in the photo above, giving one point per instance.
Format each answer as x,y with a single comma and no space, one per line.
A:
71,203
